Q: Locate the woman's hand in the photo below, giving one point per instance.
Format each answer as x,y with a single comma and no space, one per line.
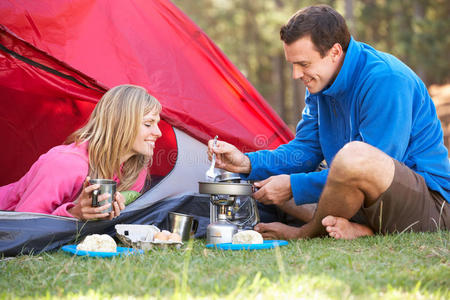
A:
118,205
83,209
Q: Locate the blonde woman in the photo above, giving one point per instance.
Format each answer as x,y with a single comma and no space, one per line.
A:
117,143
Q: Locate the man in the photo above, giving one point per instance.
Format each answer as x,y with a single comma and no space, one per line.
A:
372,120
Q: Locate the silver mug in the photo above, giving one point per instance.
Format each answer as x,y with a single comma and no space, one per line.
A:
106,186
182,224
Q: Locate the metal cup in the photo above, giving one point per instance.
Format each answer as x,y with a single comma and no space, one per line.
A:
106,186
182,224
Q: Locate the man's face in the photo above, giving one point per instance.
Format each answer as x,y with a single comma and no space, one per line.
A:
315,71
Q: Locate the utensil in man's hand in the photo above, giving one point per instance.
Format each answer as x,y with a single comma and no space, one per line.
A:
210,174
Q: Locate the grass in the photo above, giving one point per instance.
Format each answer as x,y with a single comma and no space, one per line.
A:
405,266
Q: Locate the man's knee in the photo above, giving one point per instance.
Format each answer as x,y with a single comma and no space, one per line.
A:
355,152
357,159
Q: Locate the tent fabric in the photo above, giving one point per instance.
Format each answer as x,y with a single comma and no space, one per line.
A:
42,101
38,109
57,58
153,44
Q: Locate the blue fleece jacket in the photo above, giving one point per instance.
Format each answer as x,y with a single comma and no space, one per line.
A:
375,99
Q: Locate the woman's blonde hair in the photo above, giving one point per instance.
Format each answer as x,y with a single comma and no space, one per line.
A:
111,131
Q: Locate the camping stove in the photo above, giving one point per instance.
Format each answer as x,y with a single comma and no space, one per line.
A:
231,207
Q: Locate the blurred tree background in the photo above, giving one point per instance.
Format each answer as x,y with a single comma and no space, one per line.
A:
247,31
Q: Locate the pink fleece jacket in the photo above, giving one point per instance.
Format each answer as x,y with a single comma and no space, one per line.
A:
53,182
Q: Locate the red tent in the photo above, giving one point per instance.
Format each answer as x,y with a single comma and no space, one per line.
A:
58,57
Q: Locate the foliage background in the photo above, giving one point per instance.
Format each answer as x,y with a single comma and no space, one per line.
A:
247,31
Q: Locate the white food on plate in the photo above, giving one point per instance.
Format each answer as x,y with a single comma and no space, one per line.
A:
98,243
247,237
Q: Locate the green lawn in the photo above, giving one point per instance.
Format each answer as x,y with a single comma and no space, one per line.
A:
406,266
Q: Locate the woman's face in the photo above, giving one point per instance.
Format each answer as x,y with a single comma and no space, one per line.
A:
147,135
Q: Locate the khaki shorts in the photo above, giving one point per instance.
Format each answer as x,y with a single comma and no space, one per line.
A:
408,205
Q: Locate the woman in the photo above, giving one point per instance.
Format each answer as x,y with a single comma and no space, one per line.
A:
116,143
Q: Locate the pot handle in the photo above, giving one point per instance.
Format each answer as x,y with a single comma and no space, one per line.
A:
95,198
195,225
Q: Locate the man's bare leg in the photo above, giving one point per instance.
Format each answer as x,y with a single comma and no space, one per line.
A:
359,174
303,212
278,230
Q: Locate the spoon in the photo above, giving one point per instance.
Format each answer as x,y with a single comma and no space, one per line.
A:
210,174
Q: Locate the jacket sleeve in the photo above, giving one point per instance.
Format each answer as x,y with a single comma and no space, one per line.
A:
302,154
299,158
54,184
307,187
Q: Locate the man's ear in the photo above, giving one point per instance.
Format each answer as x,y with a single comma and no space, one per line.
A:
336,52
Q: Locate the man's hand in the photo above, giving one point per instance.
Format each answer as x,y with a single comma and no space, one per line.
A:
228,157
274,190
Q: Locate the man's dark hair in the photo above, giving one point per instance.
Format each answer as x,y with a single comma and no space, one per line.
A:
323,24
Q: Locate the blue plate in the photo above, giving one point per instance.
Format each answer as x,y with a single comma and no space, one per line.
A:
266,245
120,251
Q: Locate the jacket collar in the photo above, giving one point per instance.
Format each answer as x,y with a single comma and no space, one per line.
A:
346,76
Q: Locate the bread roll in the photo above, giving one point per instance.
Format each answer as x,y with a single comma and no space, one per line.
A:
247,237
98,243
